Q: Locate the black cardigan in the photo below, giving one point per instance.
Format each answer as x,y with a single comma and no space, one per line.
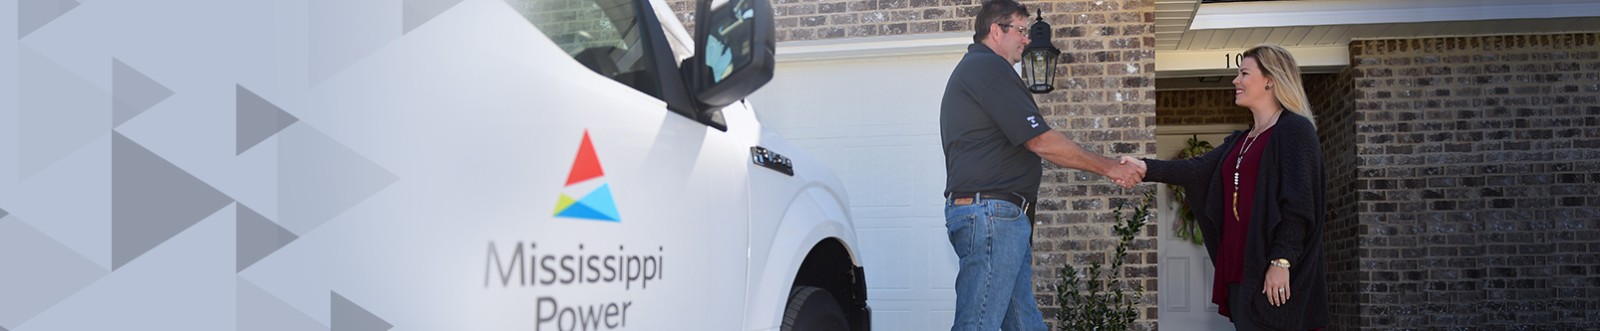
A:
1286,219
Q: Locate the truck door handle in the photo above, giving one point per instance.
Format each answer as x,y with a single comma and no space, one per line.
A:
761,156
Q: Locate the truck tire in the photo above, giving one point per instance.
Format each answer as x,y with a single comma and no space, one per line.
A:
813,308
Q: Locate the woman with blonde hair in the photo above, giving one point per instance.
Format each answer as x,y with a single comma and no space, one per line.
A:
1260,201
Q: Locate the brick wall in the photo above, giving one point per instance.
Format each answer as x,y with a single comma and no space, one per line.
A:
1105,101
1193,107
685,12
563,20
1479,198
1332,98
835,19
1128,21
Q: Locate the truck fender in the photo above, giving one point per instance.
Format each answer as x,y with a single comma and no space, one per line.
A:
820,215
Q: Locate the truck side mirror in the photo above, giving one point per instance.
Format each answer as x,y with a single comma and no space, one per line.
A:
734,49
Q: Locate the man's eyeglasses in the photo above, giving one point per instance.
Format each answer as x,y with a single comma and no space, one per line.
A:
1013,27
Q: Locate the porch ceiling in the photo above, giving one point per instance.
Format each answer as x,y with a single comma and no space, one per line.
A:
1193,38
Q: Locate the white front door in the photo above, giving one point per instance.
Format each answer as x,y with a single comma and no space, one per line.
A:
1186,270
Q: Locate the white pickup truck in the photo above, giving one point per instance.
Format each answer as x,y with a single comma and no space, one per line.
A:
656,200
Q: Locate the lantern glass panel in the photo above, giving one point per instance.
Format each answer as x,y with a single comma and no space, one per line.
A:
1039,68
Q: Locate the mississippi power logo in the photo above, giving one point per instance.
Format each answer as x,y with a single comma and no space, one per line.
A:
585,177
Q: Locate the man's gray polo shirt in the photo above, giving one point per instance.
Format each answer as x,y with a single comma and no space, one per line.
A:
986,117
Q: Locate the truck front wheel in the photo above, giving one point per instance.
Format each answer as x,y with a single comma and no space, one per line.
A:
813,308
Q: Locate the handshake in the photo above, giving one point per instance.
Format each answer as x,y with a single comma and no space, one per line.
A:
1128,172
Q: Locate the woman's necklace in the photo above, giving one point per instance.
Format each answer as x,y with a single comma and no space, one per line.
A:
1248,141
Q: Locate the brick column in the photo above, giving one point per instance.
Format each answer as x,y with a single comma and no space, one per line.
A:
1106,103
1333,101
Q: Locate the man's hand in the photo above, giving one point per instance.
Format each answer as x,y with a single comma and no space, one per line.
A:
1136,162
1055,147
1127,173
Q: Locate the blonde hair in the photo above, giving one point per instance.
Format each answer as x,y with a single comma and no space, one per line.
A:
1279,65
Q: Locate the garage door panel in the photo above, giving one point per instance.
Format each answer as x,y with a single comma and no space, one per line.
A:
875,122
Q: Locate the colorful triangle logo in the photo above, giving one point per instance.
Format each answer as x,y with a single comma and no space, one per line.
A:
596,204
587,165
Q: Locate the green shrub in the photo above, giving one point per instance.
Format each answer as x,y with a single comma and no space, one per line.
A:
1095,304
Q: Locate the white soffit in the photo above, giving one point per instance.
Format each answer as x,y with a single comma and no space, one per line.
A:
1319,32
1172,19
1242,15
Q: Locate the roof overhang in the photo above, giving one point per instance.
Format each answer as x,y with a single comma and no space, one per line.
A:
1319,32
1242,15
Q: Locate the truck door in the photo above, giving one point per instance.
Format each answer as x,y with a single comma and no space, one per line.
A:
645,181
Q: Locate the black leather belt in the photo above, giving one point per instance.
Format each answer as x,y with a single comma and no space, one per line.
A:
964,198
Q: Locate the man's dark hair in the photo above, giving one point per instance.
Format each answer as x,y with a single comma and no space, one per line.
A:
995,11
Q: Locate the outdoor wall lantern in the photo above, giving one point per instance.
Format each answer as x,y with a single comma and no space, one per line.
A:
1040,57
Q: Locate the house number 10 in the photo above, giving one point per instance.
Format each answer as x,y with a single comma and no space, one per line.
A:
1231,61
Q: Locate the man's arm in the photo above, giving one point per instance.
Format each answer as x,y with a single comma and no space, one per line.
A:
1056,147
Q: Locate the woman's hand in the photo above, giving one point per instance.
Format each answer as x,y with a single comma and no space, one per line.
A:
1277,285
1133,170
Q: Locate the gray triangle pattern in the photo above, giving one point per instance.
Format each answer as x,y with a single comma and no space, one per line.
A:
258,310
56,112
152,200
320,178
256,119
34,14
3,213
347,316
132,92
341,33
39,272
418,12
257,237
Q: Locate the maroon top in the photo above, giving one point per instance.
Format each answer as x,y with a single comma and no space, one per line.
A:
1230,257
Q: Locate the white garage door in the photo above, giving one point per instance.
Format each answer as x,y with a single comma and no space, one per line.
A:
869,109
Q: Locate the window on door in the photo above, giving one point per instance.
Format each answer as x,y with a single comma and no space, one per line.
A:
607,36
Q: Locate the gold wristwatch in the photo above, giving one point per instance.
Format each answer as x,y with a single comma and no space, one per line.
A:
1281,263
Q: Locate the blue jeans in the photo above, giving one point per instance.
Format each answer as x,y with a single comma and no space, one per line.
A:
994,289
